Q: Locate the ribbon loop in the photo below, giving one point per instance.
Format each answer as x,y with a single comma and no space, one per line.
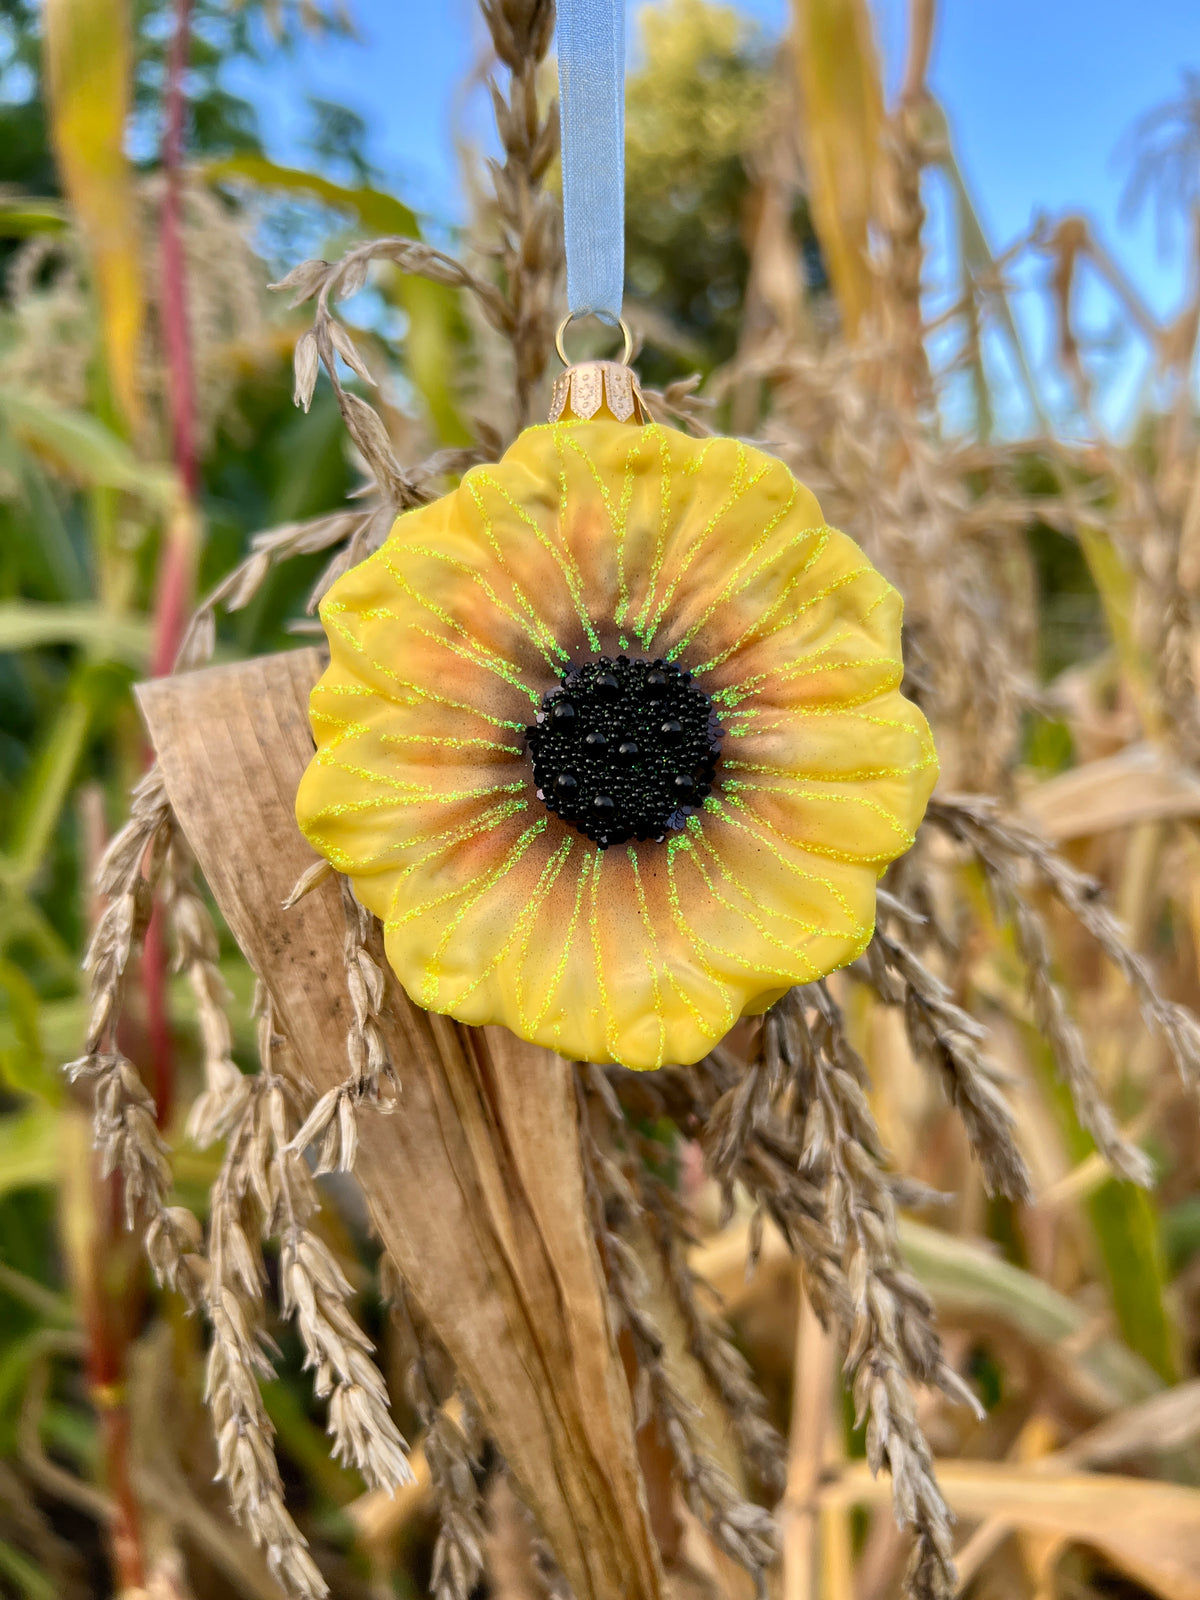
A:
591,87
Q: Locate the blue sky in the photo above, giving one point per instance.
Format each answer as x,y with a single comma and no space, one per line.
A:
1039,92
1040,96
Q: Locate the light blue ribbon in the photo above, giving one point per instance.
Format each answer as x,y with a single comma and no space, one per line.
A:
591,88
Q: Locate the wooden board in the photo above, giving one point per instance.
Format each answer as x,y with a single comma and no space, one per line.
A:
475,1184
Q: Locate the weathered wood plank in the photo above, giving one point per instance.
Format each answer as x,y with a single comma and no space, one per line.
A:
476,1183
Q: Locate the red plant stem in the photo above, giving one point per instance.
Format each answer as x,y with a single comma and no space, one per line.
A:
173,603
126,1532
110,1309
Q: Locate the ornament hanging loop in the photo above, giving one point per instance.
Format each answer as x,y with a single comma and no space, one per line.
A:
566,323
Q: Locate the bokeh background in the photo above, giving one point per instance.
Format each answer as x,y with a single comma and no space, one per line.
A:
946,260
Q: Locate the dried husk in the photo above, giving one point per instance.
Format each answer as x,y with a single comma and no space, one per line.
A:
475,1184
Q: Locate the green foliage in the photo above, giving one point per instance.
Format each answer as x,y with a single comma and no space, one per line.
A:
83,516
1128,1242
694,109
28,1148
82,513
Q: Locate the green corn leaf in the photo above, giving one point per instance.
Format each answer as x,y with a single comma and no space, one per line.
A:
967,1280
23,1064
93,691
1125,1225
29,1154
25,625
21,217
430,348
84,449
378,212
45,560
26,1577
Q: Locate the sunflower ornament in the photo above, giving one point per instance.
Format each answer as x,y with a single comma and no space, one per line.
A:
612,738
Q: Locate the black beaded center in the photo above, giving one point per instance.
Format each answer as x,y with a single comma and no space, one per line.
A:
625,749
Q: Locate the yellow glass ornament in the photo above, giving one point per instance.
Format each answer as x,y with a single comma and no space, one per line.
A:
683,597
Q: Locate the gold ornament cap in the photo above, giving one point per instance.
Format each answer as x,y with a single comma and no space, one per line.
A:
598,389
588,390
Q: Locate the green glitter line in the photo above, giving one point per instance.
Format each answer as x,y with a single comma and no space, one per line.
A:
556,976
482,656
567,568
844,856
409,793
364,865
740,486
431,845
345,731
653,961
648,922
647,625
446,742
754,633
575,582
739,579
861,775
736,957
886,855
623,598
352,691
534,627
415,691
471,483
551,873
524,921
660,543
825,651
810,604
761,827
733,695
488,881
794,672
681,843
511,677
750,916
610,1042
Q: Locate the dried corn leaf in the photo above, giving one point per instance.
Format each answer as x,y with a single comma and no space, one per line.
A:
970,1286
843,114
1141,784
1150,1530
476,1184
